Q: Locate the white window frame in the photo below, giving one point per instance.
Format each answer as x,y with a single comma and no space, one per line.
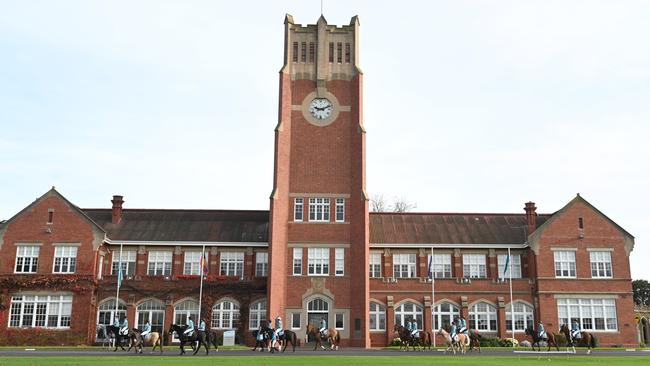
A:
298,209
319,209
297,261
404,265
441,265
339,261
402,314
24,252
524,316
374,261
587,311
108,306
29,311
293,321
318,261
336,320
225,318
515,264
565,263
449,312
66,256
183,310
159,263
145,312
378,314
231,264
601,264
261,264
257,314
128,262
339,212
482,316
474,265
192,263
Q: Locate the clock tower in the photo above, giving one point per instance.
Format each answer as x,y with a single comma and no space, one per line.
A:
318,246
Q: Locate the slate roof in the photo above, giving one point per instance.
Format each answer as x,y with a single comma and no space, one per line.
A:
185,225
449,228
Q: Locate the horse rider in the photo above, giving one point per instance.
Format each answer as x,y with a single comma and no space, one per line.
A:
123,325
452,331
190,327
323,327
462,325
146,333
575,330
541,332
413,327
202,326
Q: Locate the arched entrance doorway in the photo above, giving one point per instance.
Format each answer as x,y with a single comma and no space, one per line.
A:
317,309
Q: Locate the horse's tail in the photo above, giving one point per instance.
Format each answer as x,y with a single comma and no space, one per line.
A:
338,338
592,341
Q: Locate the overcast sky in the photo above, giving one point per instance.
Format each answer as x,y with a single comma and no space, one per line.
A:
470,106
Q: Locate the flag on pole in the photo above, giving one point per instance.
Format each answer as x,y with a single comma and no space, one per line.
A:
431,267
120,276
204,265
505,268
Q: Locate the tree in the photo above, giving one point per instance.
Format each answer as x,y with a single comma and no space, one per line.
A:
402,205
641,291
379,204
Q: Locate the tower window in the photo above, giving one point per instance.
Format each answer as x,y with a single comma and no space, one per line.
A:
303,52
347,53
297,209
295,52
580,223
331,56
50,217
312,51
339,52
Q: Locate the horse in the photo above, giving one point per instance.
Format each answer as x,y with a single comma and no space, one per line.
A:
114,332
422,340
332,336
286,338
537,339
154,339
262,338
461,344
474,340
587,339
196,336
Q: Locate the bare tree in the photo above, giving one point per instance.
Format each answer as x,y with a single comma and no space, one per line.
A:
378,203
402,205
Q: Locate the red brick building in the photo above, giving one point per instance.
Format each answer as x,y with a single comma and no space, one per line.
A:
318,252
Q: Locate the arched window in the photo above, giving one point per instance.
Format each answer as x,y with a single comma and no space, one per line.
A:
443,315
183,310
483,316
523,316
318,309
257,314
106,312
225,315
153,311
408,311
377,316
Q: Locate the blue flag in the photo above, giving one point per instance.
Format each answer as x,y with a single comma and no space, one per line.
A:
119,275
505,268
431,266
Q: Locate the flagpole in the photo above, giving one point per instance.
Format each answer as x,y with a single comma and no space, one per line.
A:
512,306
433,298
203,264
119,283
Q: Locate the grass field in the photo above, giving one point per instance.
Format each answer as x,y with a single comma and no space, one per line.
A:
323,360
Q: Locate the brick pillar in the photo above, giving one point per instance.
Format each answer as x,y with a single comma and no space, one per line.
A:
141,258
169,318
213,259
457,263
428,318
178,258
130,314
492,266
423,271
390,320
249,263
501,318
388,263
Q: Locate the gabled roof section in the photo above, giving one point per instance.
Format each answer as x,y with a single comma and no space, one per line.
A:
449,228
54,192
151,225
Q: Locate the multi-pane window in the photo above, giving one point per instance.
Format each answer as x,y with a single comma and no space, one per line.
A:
443,314
261,264
294,54
404,265
377,317
331,53
183,310
319,209
128,262
375,265
408,311
514,265
339,52
295,320
483,316
312,51
27,258
338,321
303,52
297,261
340,210
192,264
106,312
523,316
257,314
152,311
339,261
65,259
347,53
298,209
318,261
591,314
565,263
441,265
232,264
474,265
601,264
47,311
160,263
225,315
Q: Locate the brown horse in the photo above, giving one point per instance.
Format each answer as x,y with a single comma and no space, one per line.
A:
422,340
587,339
474,340
139,342
453,345
332,337
536,339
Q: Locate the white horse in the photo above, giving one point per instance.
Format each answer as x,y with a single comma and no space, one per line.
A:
461,343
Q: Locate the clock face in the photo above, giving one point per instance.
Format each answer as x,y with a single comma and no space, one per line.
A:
320,108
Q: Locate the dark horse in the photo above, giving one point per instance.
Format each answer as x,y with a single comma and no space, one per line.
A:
286,338
197,336
537,339
587,339
262,338
422,340
114,332
267,334
474,340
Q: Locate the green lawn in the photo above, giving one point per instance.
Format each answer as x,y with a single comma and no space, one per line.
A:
323,360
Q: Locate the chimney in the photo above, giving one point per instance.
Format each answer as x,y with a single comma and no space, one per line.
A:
531,215
117,209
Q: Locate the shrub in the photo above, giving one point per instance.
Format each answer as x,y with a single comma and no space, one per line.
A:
41,337
396,342
508,342
490,342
